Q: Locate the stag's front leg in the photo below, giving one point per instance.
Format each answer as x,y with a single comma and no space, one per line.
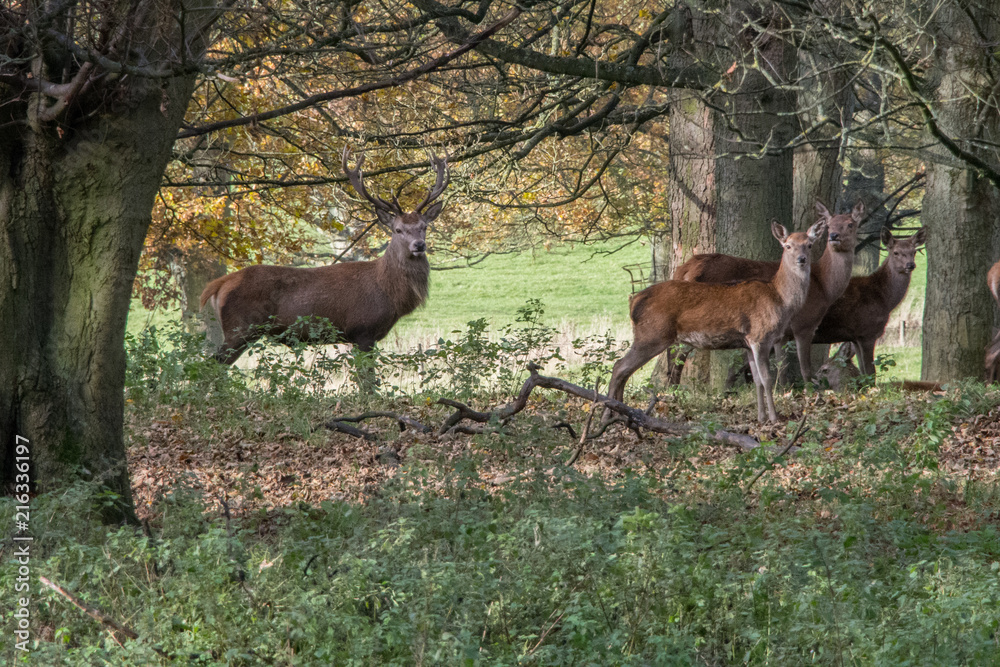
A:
763,381
363,369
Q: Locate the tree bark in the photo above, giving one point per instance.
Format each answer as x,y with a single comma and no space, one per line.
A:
74,208
691,192
960,211
754,171
960,207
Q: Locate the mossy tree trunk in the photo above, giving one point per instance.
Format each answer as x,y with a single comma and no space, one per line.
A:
691,192
75,203
960,208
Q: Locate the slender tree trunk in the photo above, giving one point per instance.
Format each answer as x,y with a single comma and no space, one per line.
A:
865,182
74,208
194,269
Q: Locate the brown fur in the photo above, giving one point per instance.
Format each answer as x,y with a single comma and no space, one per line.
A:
993,349
827,281
750,314
860,315
362,300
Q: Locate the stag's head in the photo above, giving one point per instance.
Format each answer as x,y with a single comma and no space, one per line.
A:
902,252
409,230
842,230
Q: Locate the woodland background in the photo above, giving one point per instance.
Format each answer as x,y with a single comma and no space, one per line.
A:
148,146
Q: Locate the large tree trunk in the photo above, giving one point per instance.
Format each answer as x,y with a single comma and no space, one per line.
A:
754,170
691,192
960,208
74,207
960,211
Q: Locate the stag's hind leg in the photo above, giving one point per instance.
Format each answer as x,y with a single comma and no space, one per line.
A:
637,357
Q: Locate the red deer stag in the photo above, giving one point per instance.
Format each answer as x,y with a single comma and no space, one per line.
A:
826,284
860,315
751,314
361,300
993,350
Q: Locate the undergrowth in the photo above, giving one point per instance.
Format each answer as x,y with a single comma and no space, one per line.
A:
860,548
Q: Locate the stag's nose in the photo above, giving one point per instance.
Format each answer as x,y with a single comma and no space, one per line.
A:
419,246
910,266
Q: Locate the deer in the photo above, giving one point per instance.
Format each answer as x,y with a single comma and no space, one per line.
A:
362,300
826,283
751,314
859,316
993,349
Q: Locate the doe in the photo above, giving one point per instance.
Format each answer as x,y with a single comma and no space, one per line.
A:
751,314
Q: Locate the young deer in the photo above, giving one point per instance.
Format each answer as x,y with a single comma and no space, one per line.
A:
828,280
751,314
860,315
362,300
993,350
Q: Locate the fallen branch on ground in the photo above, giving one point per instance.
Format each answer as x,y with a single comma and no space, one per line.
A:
98,615
634,417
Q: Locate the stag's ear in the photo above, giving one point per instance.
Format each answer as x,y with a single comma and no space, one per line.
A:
888,240
432,211
817,230
920,237
821,210
385,217
858,212
779,231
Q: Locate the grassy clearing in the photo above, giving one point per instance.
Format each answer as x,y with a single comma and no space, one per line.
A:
875,543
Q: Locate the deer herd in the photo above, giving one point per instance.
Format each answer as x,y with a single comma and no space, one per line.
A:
714,301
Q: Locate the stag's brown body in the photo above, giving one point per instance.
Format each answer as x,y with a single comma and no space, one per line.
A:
751,314
827,280
860,315
361,300
993,349
353,302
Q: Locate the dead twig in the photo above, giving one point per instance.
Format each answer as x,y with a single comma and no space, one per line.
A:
98,615
335,425
404,421
799,432
586,425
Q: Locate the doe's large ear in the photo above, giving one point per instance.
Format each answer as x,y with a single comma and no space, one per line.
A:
888,240
858,212
432,211
817,230
779,231
920,237
822,210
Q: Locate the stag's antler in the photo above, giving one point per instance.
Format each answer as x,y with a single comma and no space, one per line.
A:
440,165
357,180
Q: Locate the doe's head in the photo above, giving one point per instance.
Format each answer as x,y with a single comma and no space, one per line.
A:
903,252
796,246
842,229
